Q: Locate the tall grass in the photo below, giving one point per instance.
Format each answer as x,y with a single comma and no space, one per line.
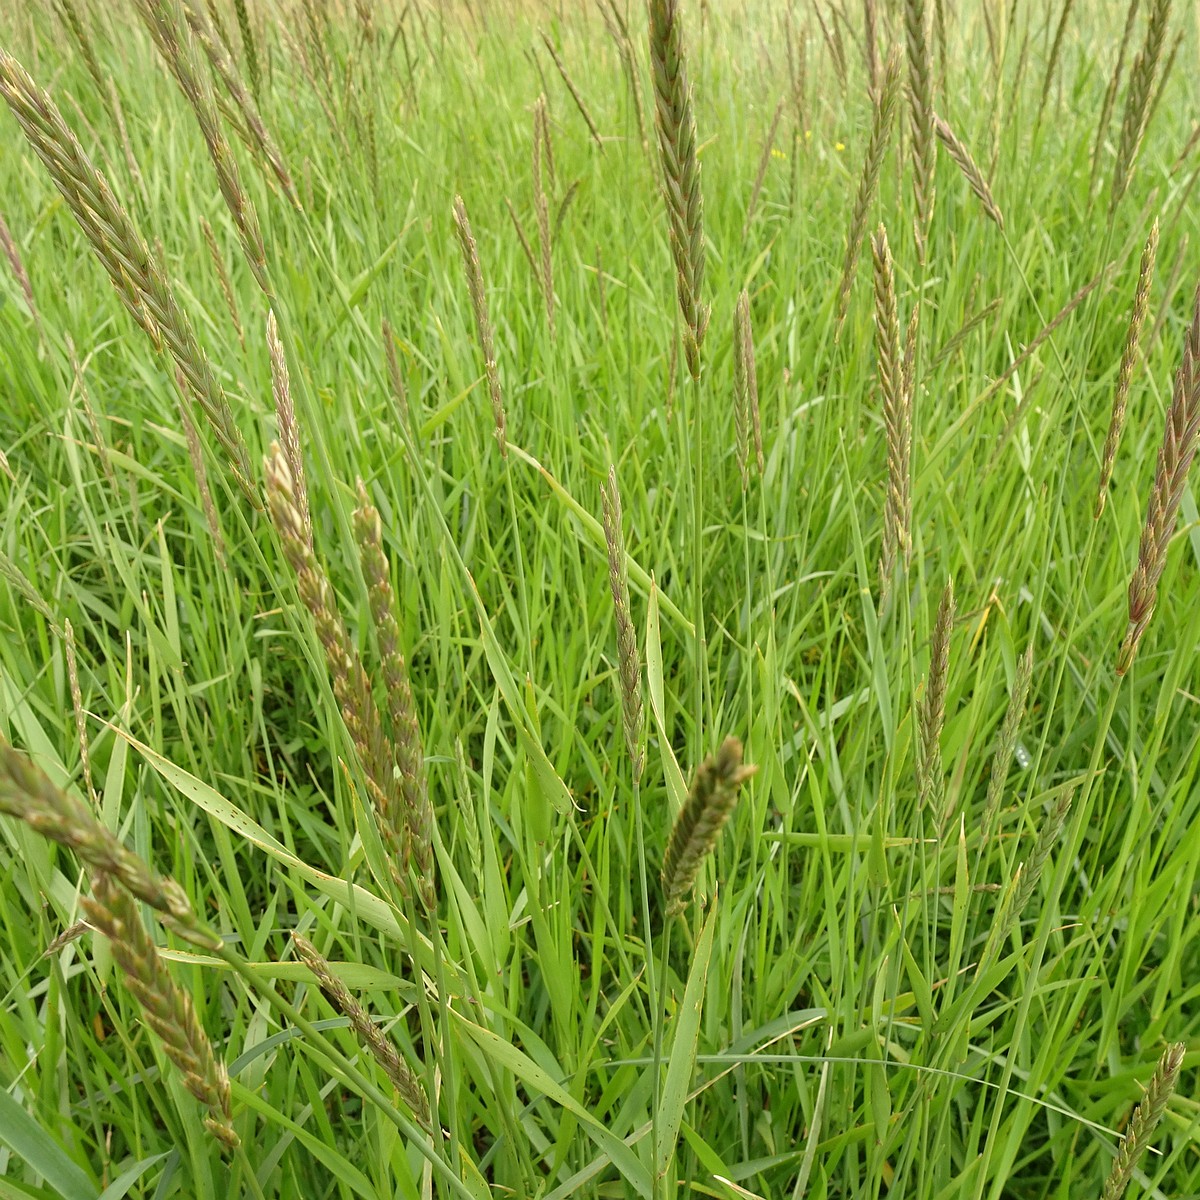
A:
367,789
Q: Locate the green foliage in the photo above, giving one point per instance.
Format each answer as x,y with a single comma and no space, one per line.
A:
865,994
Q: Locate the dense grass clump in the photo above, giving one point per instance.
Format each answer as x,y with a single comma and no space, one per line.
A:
598,601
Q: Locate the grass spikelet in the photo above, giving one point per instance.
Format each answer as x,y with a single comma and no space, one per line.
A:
575,95
920,101
871,47
135,272
1055,51
289,428
1170,478
526,248
969,168
1144,1121
1110,94
797,60
619,31
28,794
710,801
632,713
1137,318
176,48
199,470
541,140
249,46
395,375
831,32
931,712
223,280
260,139
347,675
541,134
167,1009
366,1031
82,38
401,708
13,254
897,418
868,183
747,419
1137,99
676,125
764,161
81,733
1047,838
1044,333
483,323
1006,741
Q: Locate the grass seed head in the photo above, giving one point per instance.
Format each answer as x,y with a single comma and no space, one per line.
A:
1145,1120
711,799
367,1031
632,712
166,1008
680,162
483,322
868,182
1137,318
1170,478
28,794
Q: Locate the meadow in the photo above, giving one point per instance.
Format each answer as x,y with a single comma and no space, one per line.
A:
599,599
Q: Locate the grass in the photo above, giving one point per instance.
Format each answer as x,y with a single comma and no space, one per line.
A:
865,993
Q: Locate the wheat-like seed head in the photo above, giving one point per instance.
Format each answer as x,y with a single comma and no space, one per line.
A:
1137,318
347,675
632,712
135,272
694,836
28,794
9,246
969,168
395,376
402,709
1137,99
1047,838
931,714
764,161
176,46
167,1009
871,47
920,100
483,323
1170,478
1006,741
225,68
289,427
249,46
368,1033
676,125
81,733
1110,94
575,95
894,386
541,140
868,182
1145,1120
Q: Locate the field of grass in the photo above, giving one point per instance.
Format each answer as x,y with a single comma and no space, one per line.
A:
950,932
